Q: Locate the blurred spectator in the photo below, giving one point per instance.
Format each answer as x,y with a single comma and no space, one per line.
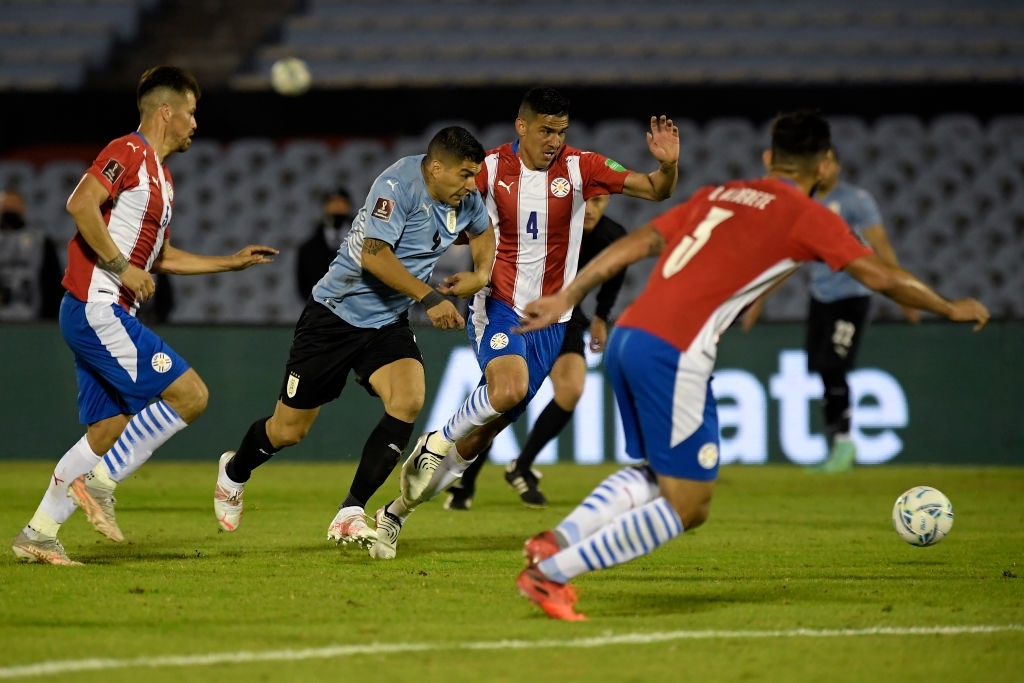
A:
30,270
157,310
317,252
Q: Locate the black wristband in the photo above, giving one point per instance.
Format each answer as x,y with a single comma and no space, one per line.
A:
432,299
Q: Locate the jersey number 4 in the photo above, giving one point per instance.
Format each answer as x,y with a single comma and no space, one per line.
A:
691,244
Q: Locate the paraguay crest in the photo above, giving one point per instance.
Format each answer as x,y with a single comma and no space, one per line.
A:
560,187
161,362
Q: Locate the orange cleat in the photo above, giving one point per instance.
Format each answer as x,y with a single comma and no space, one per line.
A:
556,599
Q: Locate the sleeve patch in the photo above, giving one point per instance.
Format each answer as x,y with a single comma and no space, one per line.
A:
614,165
383,208
113,170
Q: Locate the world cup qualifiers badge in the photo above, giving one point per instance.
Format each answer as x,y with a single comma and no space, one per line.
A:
293,385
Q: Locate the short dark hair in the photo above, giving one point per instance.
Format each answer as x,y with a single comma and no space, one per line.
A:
544,101
177,79
455,143
799,138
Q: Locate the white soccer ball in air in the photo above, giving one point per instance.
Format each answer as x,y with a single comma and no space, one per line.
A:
290,76
922,516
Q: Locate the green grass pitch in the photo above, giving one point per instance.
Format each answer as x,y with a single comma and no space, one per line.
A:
795,577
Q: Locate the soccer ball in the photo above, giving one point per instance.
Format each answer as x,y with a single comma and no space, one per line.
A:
290,76
922,516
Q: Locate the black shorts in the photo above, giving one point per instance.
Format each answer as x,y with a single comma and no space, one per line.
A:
574,331
834,331
325,349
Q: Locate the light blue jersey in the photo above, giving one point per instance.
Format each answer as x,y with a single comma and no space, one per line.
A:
400,211
858,208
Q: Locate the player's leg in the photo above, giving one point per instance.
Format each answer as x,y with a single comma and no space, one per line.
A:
671,414
318,364
839,329
567,377
460,494
402,388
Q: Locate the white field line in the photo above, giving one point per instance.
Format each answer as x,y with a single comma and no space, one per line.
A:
335,651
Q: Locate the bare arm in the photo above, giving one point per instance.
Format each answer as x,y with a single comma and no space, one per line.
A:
879,241
663,141
380,261
179,262
465,285
625,251
84,206
907,290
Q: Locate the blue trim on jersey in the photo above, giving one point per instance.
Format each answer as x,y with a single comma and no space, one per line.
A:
643,370
116,360
540,349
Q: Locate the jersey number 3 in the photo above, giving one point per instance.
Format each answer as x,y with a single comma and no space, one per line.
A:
691,244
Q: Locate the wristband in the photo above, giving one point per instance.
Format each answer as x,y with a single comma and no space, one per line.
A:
116,265
432,299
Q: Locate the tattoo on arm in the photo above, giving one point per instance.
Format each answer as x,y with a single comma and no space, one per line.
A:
374,246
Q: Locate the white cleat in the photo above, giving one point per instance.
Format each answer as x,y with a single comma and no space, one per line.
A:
98,505
349,526
388,528
227,500
43,549
417,470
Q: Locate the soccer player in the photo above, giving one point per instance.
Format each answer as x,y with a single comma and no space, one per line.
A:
838,312
122,208
568,374
720,250
357,321
536,190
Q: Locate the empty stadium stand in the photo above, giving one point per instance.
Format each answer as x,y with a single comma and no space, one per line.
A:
951,191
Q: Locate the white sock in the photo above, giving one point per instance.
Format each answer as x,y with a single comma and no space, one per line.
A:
476,410
632,534
56,507
450,469
145,432
624,490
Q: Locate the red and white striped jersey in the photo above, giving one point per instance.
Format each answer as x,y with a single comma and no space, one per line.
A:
137,213
724,247
538,218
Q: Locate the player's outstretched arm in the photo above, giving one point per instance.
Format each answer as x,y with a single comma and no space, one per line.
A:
621,253
907,290
180,262
663,142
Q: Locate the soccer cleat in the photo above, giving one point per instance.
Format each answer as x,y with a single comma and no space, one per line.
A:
525,484
349,526
844,452
98,505
417,470
44,550
540,547
227,501
556,599
459,498
388,528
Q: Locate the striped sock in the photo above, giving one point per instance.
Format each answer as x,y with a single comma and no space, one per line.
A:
476,410
628,536
624,490
147,431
